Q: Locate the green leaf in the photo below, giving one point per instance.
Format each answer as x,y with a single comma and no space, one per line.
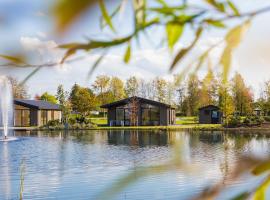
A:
234,8
162,2
261,190
127,54
215,4
105,14
216,23
261,168
182,53
242,196
95,65
174,32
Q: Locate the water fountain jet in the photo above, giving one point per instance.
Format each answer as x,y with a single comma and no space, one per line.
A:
6,105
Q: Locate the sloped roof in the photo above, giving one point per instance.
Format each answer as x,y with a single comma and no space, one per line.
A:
212,107
140,99
37,104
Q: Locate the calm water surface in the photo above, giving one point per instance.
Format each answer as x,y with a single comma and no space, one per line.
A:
119,164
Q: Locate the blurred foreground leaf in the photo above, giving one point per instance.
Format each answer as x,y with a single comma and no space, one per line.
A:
67,11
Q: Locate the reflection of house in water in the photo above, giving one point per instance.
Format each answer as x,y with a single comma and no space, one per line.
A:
211,137
137,138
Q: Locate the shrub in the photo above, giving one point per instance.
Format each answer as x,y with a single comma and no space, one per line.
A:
234,121
267,118
53,123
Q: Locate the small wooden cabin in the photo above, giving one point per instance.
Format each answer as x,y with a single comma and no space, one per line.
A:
137,111
210,115
34,112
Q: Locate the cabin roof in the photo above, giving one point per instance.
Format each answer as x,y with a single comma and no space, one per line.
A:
210,107
140,99
37,104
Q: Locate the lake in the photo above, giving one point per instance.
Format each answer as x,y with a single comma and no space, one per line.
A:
126,164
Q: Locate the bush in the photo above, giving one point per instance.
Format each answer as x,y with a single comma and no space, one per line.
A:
267,118
234,121
53,123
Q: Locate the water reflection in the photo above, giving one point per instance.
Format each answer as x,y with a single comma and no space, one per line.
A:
58,163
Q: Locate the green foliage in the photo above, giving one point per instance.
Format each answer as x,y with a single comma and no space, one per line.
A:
234,121
82,100
48,97
267,118
53,123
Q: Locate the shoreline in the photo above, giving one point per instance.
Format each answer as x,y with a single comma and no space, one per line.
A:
196,127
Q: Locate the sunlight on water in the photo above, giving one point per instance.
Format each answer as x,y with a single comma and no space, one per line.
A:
84,164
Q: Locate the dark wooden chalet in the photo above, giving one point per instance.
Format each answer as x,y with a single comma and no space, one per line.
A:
210,115
137,111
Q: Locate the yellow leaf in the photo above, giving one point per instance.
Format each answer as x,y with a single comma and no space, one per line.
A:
127,54
261,190
67,11
174,32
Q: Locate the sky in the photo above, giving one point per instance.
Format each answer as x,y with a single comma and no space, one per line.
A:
28,26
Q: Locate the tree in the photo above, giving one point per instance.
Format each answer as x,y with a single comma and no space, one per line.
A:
242,95
82,100
208,93
19,90
48,97
225,100
193,95
133,109
117,88
101,86
62,97
160,89
132,86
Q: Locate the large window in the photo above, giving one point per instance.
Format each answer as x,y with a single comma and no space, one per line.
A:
22,117
44,117
150,115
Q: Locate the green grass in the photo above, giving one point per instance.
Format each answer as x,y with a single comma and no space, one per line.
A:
186,120
99,121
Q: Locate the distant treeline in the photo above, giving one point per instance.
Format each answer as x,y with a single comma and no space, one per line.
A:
187,96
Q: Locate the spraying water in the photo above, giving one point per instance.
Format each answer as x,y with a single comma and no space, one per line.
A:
6,105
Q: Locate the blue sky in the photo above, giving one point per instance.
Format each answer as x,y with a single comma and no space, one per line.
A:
27,25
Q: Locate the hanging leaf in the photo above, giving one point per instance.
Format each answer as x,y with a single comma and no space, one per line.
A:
182,53
30,75
225,61
217,5
13,59
95,65
233,38
162,2
174,32
66,12
261,190
234,8
261,168
242,196
216,23
105,14
127,54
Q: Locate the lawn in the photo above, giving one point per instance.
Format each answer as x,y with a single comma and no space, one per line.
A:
99,121
179,121
186,120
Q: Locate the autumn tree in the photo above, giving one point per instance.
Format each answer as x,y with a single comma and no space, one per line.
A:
209,89
101,87
242,95
225,100
48,97
193,95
